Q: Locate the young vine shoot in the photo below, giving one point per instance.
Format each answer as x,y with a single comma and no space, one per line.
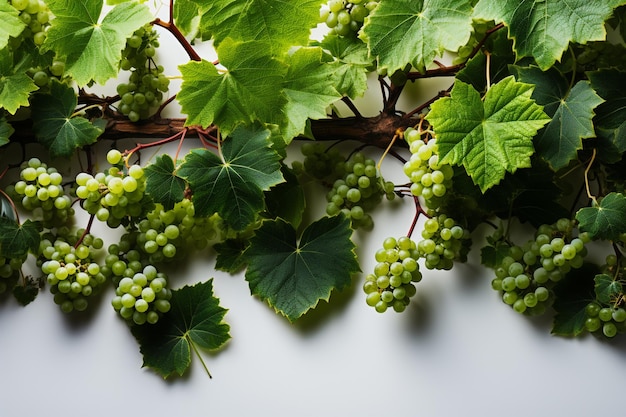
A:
527,142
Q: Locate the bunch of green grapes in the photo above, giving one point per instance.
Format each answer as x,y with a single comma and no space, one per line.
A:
142,296
480,28
36,16
430,179
40,191
608,317
391,284
117,195
527,274
443,242
71,268
168,235
359,190
345,18
147,83
325,164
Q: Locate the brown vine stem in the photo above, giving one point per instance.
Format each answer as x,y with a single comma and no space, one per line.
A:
173,29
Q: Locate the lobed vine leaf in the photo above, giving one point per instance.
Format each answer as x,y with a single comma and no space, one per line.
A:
92,47
488,137
606,219
293,277
610,120
287,200
162,183
249,90
54,124
12,25
544,29
17,239
6,130
279,24
15,85
232,184
607,289
416,31
572,294
194,321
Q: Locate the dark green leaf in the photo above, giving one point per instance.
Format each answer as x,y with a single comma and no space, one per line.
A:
16,240
232,184
230,255
194,321
606,220
54,123
607,289
610,117
6,130
286,200
293,277
571,296
163,184
25,294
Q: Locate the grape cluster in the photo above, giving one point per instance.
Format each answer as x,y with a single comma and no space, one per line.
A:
70,268
391,284
146,83
116,195
40,190
443,242
429,179
606,316
168,235
480,28
321,163
345,18
36,16
358,191
142,296
527,274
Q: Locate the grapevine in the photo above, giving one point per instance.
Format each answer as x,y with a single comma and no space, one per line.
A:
525,140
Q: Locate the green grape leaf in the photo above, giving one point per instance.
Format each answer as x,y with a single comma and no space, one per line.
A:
17,239
293,277
488,137
15,85
12,25
610,120
607,289
230,255
194,321
309,88
187,16
354,64
491,255
551,86
25,294
54,123
6,130
415,32
606,220
92,47
249,90
280,24
287,200
571,296
544,29
232,184
163,184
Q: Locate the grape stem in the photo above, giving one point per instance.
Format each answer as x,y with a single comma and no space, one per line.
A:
195,349
419,210
591,196
86,231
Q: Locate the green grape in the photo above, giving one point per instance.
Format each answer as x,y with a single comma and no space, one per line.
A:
439,247
345,18
391,284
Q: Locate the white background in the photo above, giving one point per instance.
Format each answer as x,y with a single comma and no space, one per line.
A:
457,350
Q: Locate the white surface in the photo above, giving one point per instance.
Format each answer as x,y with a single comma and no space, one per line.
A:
456,351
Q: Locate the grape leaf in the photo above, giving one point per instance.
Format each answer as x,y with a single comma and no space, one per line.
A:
610,120
230,255
15,85
606,220
309,88
12,26
354,64
572,294
187,16
232,184
26,293
292,277
6,130
194,321
249,90
607,289
54,123
279,23
544,29
551,86
490,137
92,47
17,239
414,32
163,184
287,200
562,138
